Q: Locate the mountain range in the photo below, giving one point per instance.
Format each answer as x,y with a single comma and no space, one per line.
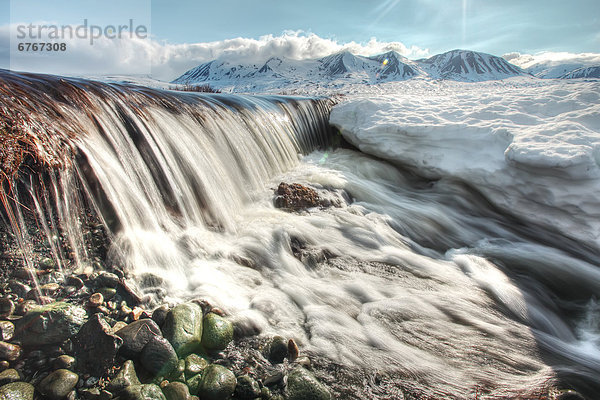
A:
345,68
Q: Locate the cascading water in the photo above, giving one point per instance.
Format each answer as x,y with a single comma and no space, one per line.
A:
422,284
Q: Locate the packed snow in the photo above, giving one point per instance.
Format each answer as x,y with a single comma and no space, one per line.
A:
531,147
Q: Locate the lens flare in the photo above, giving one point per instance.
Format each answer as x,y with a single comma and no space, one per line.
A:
385,62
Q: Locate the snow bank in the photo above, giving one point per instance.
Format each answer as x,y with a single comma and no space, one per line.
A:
532,148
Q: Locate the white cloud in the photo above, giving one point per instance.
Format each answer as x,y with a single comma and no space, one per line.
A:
551,59
167,61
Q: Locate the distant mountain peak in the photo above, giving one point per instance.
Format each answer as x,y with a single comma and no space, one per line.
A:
344,67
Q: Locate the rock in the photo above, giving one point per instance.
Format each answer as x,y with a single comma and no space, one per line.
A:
158,356
49,289
194,364
96,300
178,374
118,326
26,306
302,385
217,332
47,263
17,391
125,377
9,351
18,288
136,335
107,293
7,307
247,388
129,293
177,391
183,328
194,383
217,383
159,314
296,197
7,330
58,384
4,365
142,392
293,350
95,346
74,281
277,350
50,324
9,375
107,279
569,394
64,362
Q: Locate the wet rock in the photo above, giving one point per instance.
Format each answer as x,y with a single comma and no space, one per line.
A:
277,350
50,324
177,391
107,279
107,293
247,388
118,326
18,288
178,374
95,300
194,364
9,375
9,351
17,391
49,289
129,293
136,335
160,314
26,306
183,328
217,383
47,263
7,330
58,384
193,383
64,362
4,365
217,332
7,307
295,196
569,394
142,392
302,385
293,350
125,378
158,356
95,346
74,281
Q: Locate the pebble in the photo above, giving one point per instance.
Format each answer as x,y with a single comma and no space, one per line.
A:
7,307
58,384
277,350
49,289
7,330
9,375
293,350
75,282
176,391
106,279
96,300
64,362
18,288
9,351
47,263
107,292
247,388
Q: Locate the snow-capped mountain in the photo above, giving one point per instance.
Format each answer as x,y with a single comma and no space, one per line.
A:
464,65
344,68
589,72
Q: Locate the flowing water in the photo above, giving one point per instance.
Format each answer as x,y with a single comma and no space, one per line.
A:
423,282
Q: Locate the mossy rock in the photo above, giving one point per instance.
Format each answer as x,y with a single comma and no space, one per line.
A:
183,328
17,391
142,392
217,383
217,332
50,324
302,385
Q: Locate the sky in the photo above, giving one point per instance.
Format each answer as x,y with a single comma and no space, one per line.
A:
182,34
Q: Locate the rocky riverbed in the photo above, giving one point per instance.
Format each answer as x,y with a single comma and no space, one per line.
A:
88,333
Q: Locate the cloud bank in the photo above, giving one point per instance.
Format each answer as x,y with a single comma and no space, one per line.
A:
166,61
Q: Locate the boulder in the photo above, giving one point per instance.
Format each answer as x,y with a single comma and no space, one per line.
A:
136,335
58,384
183,328
158,357
295,196
50,324
217,332
217,383
302,385
95,346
